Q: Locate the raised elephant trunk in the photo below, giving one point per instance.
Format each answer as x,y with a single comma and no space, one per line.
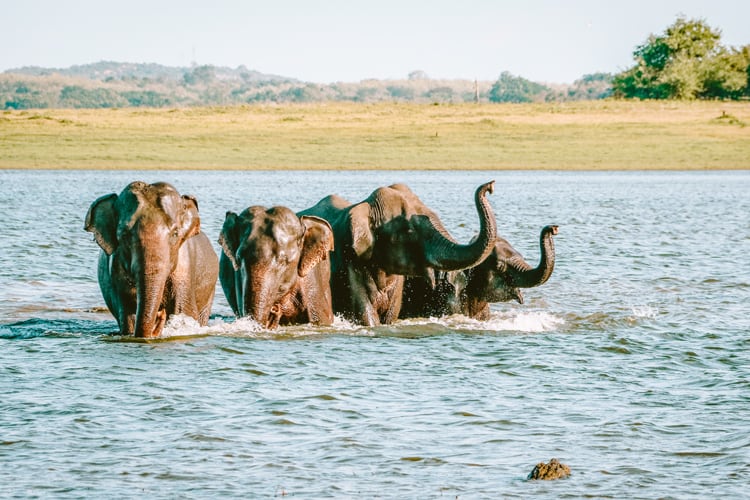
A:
442,251
523,275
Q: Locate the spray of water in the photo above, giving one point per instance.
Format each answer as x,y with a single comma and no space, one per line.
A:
514,321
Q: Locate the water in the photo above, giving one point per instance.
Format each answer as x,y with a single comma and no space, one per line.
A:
631,365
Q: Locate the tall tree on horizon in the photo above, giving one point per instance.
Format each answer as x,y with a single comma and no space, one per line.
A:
687,61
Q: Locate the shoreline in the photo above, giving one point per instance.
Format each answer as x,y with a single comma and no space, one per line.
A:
374,169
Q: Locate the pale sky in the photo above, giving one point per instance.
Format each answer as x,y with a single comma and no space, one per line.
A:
351,40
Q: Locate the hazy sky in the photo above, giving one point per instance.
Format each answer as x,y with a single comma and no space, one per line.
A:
351,40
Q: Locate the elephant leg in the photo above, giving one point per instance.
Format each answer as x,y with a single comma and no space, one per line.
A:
127,324
363,295
205,312
230,284
118,294
125,304
316,301
394,293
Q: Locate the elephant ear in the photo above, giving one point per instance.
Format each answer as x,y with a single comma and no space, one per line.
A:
229,238
101,219
191,221
317,242
363,238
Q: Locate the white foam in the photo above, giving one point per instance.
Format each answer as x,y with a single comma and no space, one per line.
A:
645,311
523,321
180,325
514,320
505,321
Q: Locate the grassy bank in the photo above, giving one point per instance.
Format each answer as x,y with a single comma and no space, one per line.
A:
581,135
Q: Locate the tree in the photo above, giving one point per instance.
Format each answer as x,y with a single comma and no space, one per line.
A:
400,92
728,74
74,96
200,75
509,88
590,87
306,93
146,98
418,75
687,61
440,94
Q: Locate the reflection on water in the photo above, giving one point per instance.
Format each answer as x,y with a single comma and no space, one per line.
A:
630,365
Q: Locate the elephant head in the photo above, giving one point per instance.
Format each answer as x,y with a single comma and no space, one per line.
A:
389,235
141,232
401,235
498,278
266,255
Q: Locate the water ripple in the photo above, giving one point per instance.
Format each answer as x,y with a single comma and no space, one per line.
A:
631,365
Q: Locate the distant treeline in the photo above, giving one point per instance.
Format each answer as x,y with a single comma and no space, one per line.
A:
687,61
115,85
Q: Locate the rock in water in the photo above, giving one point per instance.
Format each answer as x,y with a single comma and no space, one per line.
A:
552,470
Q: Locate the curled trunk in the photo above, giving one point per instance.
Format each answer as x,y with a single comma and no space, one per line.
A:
525,276
442,252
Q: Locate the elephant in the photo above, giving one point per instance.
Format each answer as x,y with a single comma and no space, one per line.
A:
275,266
498,278
154,260
390,235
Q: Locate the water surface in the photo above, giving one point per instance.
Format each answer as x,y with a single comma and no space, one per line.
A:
630,365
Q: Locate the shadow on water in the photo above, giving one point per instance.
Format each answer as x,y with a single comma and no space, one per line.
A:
56,328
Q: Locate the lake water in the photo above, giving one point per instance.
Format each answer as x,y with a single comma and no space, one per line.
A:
631,365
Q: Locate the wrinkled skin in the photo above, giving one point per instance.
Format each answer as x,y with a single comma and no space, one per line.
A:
275,268
386,237
499,278
155,261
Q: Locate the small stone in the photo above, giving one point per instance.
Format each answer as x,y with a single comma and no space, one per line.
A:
549,471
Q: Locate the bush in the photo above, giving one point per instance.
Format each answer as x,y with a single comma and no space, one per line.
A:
73,96
148,98
509,88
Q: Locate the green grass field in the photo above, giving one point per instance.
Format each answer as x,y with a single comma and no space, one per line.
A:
594,135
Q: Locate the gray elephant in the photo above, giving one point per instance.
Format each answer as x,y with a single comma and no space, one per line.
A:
389,235
155,261
275,267
499,278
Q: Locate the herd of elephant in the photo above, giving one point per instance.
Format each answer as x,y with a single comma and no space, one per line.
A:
373,262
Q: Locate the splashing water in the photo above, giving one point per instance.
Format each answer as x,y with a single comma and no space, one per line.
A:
645,312
510,321
181,326
525,321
